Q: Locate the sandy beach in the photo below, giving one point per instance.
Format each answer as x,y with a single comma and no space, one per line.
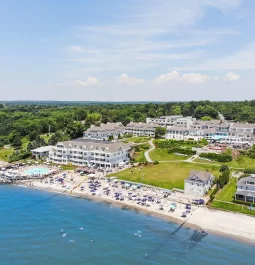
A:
230,224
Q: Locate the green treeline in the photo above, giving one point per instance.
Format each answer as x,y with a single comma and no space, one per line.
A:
67,121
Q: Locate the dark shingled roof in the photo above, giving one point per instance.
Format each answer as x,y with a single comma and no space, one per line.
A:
199,176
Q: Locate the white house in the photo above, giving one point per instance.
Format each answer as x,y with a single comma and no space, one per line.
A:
42,152
198,183
90,152
246,189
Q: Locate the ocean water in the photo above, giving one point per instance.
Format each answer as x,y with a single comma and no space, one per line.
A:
31,224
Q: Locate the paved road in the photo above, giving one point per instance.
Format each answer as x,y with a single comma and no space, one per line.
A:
146,154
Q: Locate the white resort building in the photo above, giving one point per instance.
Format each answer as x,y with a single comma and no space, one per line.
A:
140,129
90,152
172,120
103,131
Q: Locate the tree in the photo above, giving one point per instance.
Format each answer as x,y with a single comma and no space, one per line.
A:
160,131
16,142
206,118
32,135
110,138
224,168
176,110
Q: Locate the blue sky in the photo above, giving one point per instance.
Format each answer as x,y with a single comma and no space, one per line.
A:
127,50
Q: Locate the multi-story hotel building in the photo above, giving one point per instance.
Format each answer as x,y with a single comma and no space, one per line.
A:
173,120
81,152
141,129
104,131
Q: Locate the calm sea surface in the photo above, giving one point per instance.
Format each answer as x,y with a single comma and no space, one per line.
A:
31,224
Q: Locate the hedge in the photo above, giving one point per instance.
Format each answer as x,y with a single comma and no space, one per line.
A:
212,196
217,157
249,171
244,203
181,151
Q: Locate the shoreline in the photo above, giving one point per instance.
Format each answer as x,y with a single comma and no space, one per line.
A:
193,221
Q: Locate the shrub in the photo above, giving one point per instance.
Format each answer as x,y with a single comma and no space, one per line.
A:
217,157
156,163
244,203
137,148
145,146
249,171
212,196
181,151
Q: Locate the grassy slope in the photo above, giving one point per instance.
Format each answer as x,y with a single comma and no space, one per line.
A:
241,162
228,192
232,207
165,175
161,154
5,153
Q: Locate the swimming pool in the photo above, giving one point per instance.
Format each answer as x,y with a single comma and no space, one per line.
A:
36,171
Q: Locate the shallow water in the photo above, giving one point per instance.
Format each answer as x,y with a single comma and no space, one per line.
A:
31,233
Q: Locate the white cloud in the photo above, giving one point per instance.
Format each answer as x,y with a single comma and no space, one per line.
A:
195,78
176,76
172,76
124,79
90,81
231,77
76,49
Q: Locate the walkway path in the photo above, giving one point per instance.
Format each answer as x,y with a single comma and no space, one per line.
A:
189,160
146,153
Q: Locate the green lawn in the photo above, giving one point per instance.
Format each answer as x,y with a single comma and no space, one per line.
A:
139,156
5,153
165,175
228,192
232,207
46,137
161,154
241,162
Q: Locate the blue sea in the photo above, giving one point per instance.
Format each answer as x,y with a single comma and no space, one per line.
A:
32,225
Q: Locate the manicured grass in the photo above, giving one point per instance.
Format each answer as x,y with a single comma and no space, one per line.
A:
232,207
161,154
139,156
5,153
68,167
241,162
46,137
165,175
228,192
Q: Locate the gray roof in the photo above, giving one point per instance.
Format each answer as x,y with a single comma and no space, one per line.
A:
242,125
95,145
140,125
104,128
199,176
242,181
43,149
